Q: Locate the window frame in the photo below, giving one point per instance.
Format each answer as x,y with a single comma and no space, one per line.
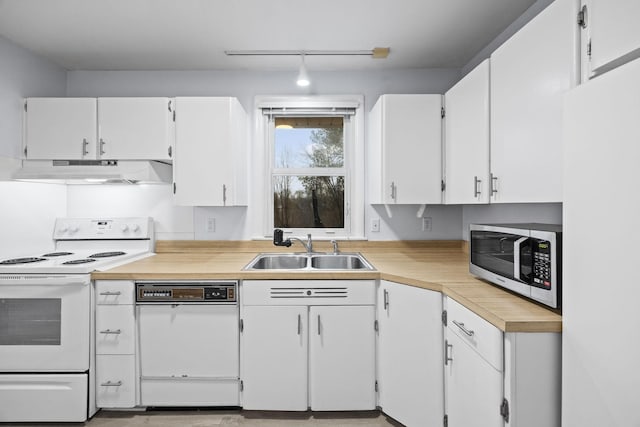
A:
353,165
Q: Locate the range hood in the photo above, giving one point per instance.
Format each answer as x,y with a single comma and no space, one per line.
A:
95,171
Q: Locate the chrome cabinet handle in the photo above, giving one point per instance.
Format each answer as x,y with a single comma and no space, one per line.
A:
393,190
109,331
386,299
102,143
460,325
299,324
224,194
85,145
110,384
476,181
111,293
447,346
492,186
319,331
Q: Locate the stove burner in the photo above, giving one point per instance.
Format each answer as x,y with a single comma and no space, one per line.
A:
107,254
52,254
22,260
78,261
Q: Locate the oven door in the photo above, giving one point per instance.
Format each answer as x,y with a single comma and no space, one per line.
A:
44,323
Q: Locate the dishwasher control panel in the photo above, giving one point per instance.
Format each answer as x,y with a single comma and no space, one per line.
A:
215,292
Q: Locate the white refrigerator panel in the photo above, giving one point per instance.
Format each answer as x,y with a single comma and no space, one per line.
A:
601,319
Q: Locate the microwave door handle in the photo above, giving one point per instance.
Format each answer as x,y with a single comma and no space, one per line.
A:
517,245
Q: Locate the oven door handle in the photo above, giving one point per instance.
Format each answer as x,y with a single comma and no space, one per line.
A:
517,247
31,280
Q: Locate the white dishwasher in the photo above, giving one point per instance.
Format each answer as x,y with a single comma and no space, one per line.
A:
188,343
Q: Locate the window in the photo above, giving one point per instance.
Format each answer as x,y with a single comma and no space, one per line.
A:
311,173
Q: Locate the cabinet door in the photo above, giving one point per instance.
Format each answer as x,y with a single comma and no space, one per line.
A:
410,354
467,138
473,387
210,141
342,358
274,358
614,33
410,148
530,73
135,128
60,128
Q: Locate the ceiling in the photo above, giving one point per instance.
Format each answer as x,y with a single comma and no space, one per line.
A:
193,34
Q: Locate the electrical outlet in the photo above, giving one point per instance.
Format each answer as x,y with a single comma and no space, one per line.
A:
375,225
426,224
211,225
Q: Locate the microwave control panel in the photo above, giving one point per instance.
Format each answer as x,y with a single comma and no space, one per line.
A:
541,254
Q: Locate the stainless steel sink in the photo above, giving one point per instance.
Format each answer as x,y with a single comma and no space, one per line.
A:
314,261
340,262
278,262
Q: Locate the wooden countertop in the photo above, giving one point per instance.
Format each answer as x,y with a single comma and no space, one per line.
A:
434,265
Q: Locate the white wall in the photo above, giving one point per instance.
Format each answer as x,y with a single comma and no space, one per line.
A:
231,223
27,210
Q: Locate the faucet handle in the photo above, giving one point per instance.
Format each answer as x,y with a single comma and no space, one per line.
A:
335,246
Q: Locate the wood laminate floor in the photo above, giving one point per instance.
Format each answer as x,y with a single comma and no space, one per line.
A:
214,418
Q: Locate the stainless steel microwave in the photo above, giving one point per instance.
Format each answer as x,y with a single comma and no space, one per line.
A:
524,258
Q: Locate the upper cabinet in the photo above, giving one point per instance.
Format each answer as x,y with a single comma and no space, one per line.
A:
102,128
612,33
210,168
405,156
60,128
135,128
466,158
530,73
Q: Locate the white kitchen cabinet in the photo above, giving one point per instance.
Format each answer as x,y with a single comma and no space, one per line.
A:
612,30
135,128
342,358
405,150
274,358
466,133
308,344
60,128
115,342
473,370
410,380
495,378
99,129
600,298
530,73
210,167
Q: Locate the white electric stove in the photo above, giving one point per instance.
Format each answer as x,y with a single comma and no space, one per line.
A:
46,317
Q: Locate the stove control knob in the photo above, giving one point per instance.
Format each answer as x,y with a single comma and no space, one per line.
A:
135,227
124,228
73,229
63,228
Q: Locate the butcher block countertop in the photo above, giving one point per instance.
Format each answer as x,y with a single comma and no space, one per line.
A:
436,265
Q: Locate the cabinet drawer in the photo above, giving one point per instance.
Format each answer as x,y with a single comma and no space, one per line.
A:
113,292
115,381
115,329
481,335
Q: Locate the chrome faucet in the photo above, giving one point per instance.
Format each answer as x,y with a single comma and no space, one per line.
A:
277,240
335,247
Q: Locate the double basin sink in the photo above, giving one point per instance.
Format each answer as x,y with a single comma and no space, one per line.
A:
312,261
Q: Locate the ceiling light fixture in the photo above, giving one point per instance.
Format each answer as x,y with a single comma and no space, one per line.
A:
376,52
303,75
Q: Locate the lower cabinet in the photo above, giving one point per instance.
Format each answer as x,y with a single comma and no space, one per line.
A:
495,378
410,354
308,344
